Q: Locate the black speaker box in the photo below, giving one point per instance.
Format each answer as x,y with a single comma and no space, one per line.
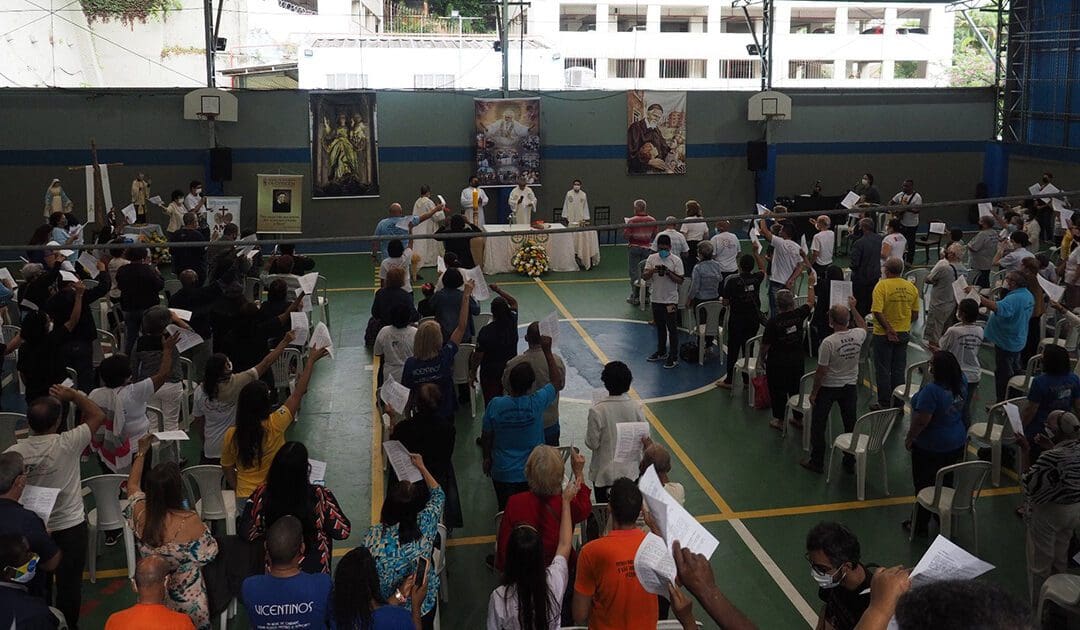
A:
221,164
756,155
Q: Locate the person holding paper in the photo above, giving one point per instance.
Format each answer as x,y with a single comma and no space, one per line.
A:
146,358
822,245
496,344
843,580
139,283
394,343
18,520
601,429
1012,252
937,435
473,200
356,596
522,202
397,255
726,250
819,321
151,586
18,566
457,237
174,212
546,368
865,264
78,348
427,249
393,225
893,244
942,306
788,261
895,307
963,340
423,432
448,301
982,247
195,200
658,457
742,295
576,204
606,595
1044,207
41,343
782,354
909,218
52,461
664,273
193,258
867,191
58,221
638,243
433,358
1007,328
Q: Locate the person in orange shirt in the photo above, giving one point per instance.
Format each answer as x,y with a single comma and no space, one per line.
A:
607,593
151,575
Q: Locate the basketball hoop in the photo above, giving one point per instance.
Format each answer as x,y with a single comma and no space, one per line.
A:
210,116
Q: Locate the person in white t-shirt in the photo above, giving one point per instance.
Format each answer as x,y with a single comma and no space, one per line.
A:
52,461
397,256
524,574
664,273
726,249
694,233
195,201
788,260
964,340
1011,253
909,219
942,303
394,343
836,381
893,244
679,247
822,246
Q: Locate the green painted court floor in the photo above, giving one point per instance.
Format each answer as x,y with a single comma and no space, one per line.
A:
742,478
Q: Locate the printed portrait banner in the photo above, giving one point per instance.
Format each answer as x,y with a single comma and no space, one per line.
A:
344,146
280,203
507,141
655,133
221,211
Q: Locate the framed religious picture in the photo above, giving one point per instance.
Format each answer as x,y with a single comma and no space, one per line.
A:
655,132
344,145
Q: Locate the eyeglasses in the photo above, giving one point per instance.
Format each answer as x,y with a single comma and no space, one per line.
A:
820,568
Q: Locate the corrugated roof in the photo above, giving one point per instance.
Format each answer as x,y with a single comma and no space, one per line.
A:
417,41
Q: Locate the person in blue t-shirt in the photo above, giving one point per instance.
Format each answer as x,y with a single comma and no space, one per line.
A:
937,436
397,225
514,425
1007,329
358,600
287,597
1058,387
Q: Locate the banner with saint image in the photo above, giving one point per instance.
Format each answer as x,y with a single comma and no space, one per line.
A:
656,132
279,204
344,146
507,141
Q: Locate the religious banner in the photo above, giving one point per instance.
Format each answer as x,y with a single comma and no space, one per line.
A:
507,141
221,211
279,204
344,146
656,132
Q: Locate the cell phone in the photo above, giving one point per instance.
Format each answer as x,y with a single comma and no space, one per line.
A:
660,270
421,568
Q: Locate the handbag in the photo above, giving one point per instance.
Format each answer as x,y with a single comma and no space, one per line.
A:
761,392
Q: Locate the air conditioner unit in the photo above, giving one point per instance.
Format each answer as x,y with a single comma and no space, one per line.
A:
580,77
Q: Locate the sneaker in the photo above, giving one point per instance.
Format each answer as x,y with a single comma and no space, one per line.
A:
723,384
113,537
812,467
656,356
633,302
670,363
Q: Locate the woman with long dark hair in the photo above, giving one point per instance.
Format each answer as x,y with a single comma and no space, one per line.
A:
426,434
288,491
163,526
39,237
496,343
358,603
937,435
249,447
530,597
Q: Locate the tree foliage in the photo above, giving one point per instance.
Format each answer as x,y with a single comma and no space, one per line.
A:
972,66
128,11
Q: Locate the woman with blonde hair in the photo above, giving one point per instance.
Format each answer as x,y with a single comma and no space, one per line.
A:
433,360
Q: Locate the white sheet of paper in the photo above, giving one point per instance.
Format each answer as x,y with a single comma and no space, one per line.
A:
802,245
188,338
7,278
28,304
945,560
1034,189
937,227
1057,203
67,382
170,436
986,210
320,338
156,200
850,200
839,292
1053,291
673,519
1012,412
549,327
39,500
403,223
1050,189
399,459
300,325
481,290
307,282
317,476
129,213
760,208
1065,215
181,313
306,304
67,276
654,565
959,289
628,440
395,395
440,265
88,262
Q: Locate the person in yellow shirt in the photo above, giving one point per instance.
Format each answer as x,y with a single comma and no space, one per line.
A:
895,306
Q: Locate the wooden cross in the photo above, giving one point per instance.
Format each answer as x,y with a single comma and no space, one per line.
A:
99,192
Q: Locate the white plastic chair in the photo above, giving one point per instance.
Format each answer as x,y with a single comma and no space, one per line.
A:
481,320
322,299
1062,589
107,515
749,364
285,369
9,433
601,513
948,503
995,433
252,288
868,436
707,326
438,560
172,287
801,403
908,390
104,346
643,286
918,278
214,502
187,398
461,371
1022,382
61,621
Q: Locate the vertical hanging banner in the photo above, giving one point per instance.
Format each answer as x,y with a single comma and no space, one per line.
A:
344,146
656,132
507,141
221,211
279,204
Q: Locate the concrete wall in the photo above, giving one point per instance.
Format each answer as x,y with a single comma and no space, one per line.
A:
936,137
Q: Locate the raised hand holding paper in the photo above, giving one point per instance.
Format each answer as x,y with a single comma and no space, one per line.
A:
398,456
654,565
1053,291
395,395
481,291
850,200
181,313
628,446
188,338
1066,217
299,325
674,521
549,327
307,282
959,288
944,560
320,338
88,262
986,210
839,292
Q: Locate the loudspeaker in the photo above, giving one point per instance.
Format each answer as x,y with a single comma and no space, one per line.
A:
221,164
756,155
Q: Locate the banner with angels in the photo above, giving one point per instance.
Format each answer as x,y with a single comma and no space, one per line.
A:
344,145
656,132
507,141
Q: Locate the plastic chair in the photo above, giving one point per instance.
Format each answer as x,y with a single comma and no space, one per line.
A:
868,436
438,561
481,320
643,286
866,359
948,503
995,433
9,429
1021,383
214,502
801,403
61,621
687,320
1058,337
707,326
601,514
187,398
1062,589
172,287
162,451
252,288
461,371
107,515
843,231
918,278
748,364
104,346
601,215
908,390
9,331
285,369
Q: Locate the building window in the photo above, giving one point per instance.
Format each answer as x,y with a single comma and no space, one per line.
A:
734,21
346,81
528,82
913,21
813,21
579,62
433,81
684,19
577,18
682,68
863,70
626,68
740,68
909,70
626,19
810,69
866,21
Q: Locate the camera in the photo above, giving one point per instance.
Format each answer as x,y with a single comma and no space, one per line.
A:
661,270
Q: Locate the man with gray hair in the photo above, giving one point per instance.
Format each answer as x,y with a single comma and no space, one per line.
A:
865,264
679,246
151,584
638,243
941,311
895,306
1007,328
836,380
15,519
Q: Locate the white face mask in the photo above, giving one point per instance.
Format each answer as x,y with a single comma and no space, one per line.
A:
198,191
577,187
825,580
865,182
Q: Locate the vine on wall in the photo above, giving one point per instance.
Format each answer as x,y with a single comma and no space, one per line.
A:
128,12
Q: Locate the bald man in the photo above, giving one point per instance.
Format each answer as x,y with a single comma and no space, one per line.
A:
151,585
397,226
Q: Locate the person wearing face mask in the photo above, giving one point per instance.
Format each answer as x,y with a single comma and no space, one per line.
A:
151,584
867,191
1012,252
576,204
843,581
664,272
195,201
473,200
15,519
1007,328
522,202
18,608
909,219
1044,209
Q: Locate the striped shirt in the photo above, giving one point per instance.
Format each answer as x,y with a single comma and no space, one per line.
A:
1055,476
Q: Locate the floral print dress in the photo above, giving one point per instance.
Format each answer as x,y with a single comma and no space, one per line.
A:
187,590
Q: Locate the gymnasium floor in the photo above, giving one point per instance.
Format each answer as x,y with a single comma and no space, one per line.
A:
742,478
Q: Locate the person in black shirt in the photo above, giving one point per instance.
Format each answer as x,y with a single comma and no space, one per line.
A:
40,287
425,434
782,353
198,300
742,296
15,519
18,608
425,308
40,343
843,581
193,258
392,293
78,349
457,239
496,343
300,264
139,283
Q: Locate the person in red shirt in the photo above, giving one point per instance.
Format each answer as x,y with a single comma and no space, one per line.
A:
639,244
151,575
541,506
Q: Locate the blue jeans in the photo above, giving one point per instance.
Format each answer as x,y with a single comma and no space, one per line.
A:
1006,366
634,257
132,325
551,435
773,288
890,360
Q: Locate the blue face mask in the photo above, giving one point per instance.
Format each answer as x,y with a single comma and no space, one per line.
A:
664,253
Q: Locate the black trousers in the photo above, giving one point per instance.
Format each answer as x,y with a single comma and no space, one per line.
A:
909,235
67,577
504,490
847,397
742,329
79,355
666,320
924,467
864,294
783,381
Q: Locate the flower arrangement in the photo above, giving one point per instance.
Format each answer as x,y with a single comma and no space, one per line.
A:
158,255
531,260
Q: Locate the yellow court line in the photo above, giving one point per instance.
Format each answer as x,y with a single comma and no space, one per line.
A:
377,481
507,283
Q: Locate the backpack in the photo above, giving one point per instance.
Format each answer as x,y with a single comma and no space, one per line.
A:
374,325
